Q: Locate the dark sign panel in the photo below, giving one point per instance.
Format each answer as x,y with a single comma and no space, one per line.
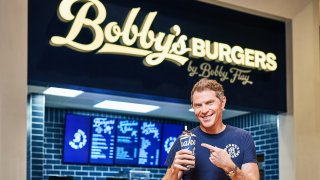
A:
102,140
170,133
117,45
149,149
76,139
127,142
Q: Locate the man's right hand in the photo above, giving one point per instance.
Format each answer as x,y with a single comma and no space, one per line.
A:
182,158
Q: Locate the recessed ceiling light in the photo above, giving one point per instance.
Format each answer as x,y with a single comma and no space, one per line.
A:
62,92
125,106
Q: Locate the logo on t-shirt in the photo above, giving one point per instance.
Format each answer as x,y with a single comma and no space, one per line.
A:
233,150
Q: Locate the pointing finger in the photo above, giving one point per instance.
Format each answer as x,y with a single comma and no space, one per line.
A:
208,146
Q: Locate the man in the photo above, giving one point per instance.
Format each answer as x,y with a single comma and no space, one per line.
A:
222,151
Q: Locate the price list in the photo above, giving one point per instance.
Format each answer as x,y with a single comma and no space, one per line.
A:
149,148
102,141
127,142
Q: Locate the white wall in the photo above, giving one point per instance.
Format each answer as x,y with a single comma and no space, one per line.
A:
13,89
285,124
306,89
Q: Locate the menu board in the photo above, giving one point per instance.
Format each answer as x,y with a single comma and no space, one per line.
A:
110,141
102,140
170,133
149,149
127,142
76,139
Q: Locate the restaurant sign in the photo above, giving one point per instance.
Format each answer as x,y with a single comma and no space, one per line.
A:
143,33
157,47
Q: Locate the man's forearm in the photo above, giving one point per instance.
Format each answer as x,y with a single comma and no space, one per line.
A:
172,175
241,175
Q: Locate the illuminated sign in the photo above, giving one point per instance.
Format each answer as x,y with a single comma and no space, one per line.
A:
153,50
156,47
127,142
76,139
102,140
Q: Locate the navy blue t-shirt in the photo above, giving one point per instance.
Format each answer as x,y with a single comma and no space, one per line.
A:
237,142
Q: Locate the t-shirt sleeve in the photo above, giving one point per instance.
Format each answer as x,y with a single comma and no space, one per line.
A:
175,147
250,152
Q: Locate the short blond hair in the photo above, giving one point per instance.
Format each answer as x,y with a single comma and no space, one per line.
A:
208,84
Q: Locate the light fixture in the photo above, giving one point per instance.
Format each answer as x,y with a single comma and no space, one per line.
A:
62,92
126,106
191,110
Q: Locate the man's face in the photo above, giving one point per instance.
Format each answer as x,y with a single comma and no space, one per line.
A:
208,107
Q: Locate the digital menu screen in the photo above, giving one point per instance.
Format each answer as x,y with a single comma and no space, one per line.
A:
170,133
149,148
127,142
76,139
102,140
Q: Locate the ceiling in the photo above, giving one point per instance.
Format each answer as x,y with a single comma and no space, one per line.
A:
285,9
86,101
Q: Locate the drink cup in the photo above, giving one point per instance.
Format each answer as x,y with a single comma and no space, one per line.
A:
188,141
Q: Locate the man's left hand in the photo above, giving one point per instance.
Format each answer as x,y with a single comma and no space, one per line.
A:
219,157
